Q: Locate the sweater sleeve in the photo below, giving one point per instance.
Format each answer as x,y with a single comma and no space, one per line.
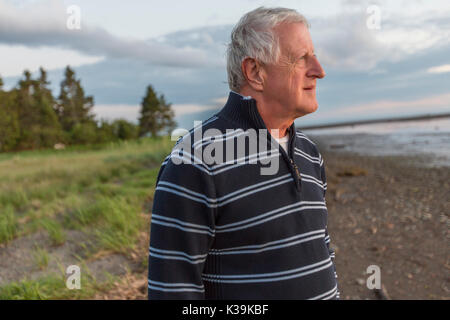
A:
182,230
327,236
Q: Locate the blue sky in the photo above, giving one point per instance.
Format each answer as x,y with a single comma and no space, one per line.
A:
402,68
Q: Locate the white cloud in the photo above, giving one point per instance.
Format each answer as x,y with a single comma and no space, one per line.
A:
342,39
221,100
15,59
439,69
116,111
44,24
436,102
344,42
183,109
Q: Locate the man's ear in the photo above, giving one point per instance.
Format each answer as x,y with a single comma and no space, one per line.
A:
253,73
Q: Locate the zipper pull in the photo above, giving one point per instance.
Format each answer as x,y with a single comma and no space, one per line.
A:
296,168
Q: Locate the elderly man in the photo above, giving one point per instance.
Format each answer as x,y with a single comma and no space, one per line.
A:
227,230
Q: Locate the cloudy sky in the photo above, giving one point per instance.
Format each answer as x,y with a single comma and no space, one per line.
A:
393,66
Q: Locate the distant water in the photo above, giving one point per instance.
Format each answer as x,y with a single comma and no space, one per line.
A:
427,139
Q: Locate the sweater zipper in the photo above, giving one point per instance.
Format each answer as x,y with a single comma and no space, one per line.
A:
295,168
287,156
292,165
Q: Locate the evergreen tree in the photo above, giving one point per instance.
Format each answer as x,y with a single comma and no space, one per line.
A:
156,114
39,125
50,130
73,106
9,124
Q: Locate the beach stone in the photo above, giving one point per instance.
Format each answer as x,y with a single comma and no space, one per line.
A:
427,216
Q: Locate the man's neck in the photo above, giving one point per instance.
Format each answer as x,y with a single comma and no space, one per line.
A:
272,115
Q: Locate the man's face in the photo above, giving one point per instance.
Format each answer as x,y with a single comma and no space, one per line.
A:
291,82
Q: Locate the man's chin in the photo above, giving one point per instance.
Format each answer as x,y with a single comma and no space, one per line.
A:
304,110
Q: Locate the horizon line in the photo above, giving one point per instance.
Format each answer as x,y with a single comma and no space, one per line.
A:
426,116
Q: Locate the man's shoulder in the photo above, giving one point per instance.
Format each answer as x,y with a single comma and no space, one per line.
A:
188,153
206,130
306,143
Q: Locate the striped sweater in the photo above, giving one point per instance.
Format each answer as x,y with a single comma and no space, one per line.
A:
227,231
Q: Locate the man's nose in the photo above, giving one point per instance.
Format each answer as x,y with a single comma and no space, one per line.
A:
315,70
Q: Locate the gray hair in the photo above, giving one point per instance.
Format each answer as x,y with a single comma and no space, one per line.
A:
253,36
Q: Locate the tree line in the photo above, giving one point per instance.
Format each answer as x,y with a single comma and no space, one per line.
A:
32,118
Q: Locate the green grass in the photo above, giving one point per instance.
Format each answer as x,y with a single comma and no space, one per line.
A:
116,221
45,184
52,287
55,231
41,257
8,224
101,190
120,226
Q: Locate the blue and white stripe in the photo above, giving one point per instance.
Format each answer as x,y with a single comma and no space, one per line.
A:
308,178
271,276
174,287
326,295
271,215
271,245
303,136
308,157
230,134
177,255
215,169
181,225
219,202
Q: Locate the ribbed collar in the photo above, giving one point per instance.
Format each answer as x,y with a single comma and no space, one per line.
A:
244,113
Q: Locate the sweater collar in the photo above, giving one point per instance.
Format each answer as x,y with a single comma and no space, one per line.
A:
243,112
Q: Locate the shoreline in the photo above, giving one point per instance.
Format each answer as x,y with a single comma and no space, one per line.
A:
416,150
381,120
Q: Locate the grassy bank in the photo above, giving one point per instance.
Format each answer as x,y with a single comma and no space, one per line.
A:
92,200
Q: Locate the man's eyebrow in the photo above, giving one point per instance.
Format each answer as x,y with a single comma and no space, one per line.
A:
295,55
312,52
302,52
